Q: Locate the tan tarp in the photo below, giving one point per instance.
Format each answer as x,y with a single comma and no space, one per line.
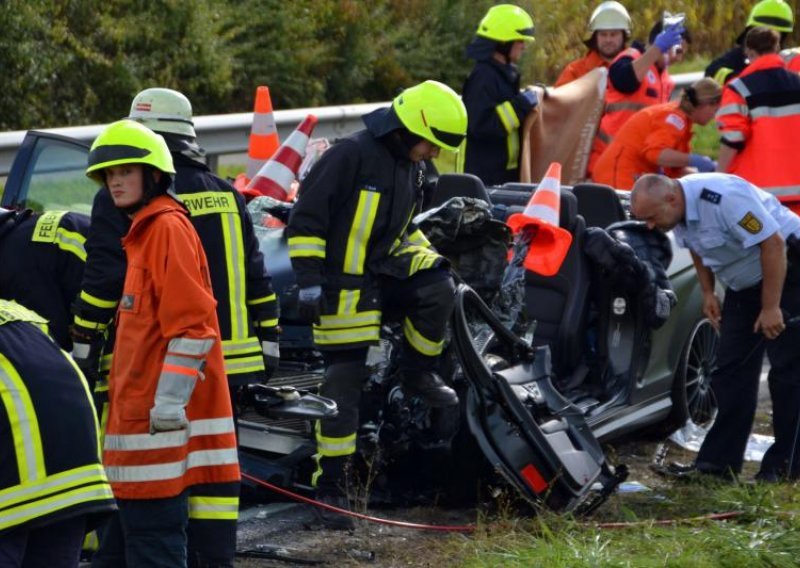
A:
562,127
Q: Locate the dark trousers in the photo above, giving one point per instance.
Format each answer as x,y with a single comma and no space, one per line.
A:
426,300
213,515
56,545
736,382
146,533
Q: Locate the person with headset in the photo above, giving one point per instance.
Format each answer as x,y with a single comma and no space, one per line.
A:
657,138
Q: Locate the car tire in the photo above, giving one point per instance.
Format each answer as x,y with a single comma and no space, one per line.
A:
692,397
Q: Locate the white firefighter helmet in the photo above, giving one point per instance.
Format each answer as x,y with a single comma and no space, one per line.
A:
610,16
163,110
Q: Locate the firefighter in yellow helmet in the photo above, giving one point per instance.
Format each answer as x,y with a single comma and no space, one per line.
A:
775,14
170,423
491,93
355,255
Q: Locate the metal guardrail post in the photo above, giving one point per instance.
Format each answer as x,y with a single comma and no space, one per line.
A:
225,134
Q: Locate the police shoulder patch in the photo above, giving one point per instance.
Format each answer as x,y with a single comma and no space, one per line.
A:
751,223
676,121
710,196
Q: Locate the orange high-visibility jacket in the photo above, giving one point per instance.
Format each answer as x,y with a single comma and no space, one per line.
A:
760,118
656,87
580,67
636,147
167,301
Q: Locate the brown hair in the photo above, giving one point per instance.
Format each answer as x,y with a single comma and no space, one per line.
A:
762,40
705,90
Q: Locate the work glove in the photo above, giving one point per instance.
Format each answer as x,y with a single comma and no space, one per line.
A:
531,96
172,396
702,163
670,37
309,304
270,348
87,347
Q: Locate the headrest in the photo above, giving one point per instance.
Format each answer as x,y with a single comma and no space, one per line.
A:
458,185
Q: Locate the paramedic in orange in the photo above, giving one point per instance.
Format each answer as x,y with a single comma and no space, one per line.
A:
610,25
657,139
170,423
759,120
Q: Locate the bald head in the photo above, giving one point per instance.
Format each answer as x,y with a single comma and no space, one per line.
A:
658,201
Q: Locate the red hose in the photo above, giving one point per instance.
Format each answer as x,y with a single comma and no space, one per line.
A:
471,528
403,524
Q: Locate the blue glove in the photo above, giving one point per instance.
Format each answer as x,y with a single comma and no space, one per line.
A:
702,163
670,37
531,96
309,304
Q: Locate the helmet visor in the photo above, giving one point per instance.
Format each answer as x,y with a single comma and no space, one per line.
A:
115,152
449,138
528,32
773,22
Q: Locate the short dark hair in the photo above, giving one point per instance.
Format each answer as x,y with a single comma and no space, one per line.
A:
763,40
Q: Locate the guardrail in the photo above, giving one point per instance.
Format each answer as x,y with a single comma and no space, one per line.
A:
224,134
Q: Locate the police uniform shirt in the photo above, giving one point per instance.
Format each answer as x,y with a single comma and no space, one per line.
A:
726,217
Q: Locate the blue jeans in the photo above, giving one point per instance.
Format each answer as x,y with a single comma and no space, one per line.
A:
145,533
55,545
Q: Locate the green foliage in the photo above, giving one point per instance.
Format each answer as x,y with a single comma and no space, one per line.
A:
766,532
69,62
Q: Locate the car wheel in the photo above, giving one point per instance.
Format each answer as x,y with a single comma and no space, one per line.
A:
692,397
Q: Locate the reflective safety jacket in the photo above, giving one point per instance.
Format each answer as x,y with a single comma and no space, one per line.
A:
246,304
50,468
352,223
620,106
580,67
638,144
41,264
760,117
792,58
496,109
167,331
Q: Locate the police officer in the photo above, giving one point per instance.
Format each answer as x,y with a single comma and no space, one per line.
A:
246,303
495,105
52,484
42,257
355,254
738,234
774,14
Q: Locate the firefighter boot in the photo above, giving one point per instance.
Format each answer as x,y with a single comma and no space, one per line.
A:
430,387
331,490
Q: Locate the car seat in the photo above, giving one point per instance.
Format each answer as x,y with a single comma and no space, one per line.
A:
598,204
458,185
559,303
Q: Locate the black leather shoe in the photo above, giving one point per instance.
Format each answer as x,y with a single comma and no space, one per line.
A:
429,387
690,472
331,519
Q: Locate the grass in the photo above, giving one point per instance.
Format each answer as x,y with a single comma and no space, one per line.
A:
767,533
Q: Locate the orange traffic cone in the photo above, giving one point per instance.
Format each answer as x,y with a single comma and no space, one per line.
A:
275,178
549,242
264,139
